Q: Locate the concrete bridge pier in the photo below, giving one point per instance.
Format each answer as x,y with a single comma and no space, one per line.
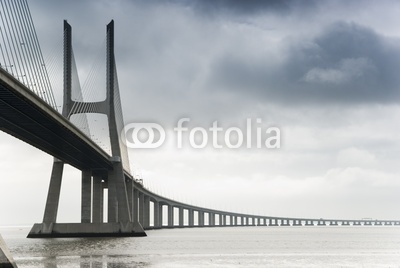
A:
129,192
170,216
146,212
141,209
161,215
86,196
98,199
181,214
53,198
273,222
297,223
210,219
309,223
201,218
156,216
191,217
285,222
135,205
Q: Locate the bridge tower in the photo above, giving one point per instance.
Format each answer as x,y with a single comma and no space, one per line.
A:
121,221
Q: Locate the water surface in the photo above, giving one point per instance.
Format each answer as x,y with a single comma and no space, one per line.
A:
215,247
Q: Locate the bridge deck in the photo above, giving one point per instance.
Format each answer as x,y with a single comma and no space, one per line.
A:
27,117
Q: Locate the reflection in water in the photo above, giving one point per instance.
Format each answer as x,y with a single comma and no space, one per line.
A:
50,262
84,253
95,261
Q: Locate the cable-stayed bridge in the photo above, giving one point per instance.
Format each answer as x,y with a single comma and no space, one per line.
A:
28,111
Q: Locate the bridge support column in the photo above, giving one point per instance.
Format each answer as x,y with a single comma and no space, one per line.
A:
170,216
160,216
273,222
141,208
53,197
86,202
156,214
191,217
129,192
117,188
135,207
297,223
309,223
97,213
146,212
181,216
112,200
201,218
211,219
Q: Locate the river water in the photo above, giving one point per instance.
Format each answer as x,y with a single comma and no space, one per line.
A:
215,247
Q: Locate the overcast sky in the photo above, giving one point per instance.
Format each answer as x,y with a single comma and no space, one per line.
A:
325,72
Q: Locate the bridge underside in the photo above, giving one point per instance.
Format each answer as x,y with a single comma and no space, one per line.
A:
26,117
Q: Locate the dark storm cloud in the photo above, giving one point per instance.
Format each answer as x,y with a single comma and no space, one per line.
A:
247,7
346,63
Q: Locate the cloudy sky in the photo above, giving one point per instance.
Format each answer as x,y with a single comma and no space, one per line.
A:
324,72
